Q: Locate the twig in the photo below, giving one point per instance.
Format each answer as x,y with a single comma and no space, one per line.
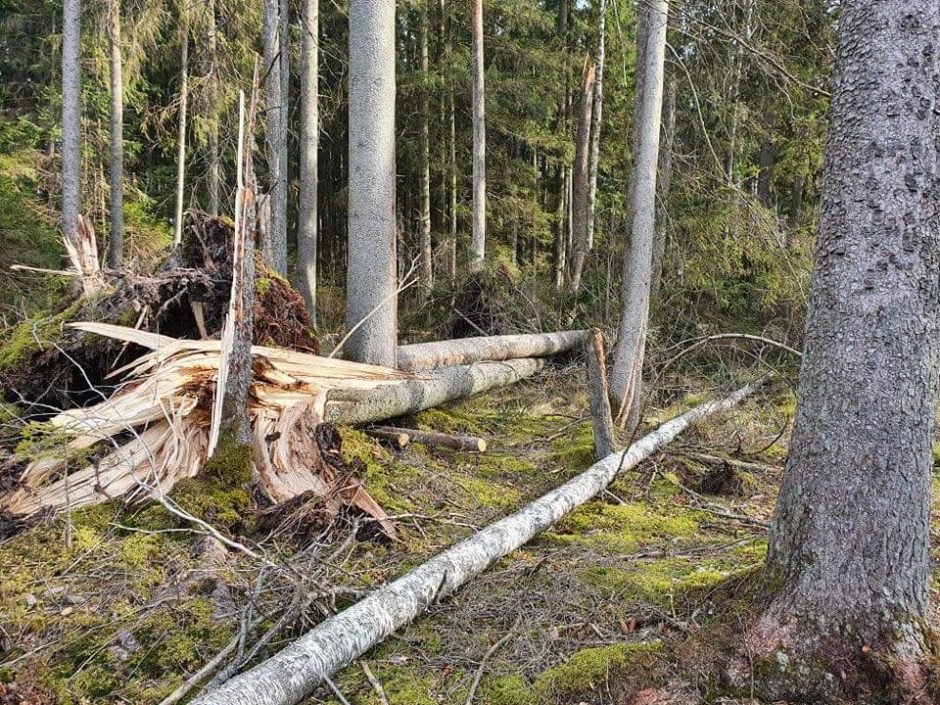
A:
492,650
336,691
375,683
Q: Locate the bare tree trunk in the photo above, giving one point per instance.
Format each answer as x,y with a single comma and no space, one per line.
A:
274,245
596,123
116,241
307,226
561,242
215,161
478,247
796,208
71,117
849,545
602,422
371,280
463,351
580,178
452,166
627,372
426,274
663,183
765,173
181,143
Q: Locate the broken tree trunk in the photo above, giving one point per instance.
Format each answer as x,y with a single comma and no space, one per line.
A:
435,438
601,418
463,351
292,674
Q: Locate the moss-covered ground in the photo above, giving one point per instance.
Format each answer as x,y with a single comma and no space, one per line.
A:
115,604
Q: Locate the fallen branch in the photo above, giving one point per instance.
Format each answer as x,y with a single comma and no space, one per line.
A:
434,438
464,351
292,674
397,437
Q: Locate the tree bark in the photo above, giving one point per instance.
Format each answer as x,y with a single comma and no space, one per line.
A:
561,243
602,422
274,245
796,208
181,142
371,280
426,273
307,226
765,172
596,123
478,245
292,674
627,372
71,117
215,159
580,176
472,444
116,241
663,185
849,545
462,351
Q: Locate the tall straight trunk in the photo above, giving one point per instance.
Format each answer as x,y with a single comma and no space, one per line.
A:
116,242
274,246
181,143
215,160
71,117
849,545
580,178
765,171
478,245
309,144
561,242
426,274
371,281
627,373
597,114
452,151
796,208
663,184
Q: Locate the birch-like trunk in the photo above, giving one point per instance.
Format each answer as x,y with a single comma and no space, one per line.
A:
181,137
274,245
596,123
116,241
371,281
71,117
663,185
478,244
425,271
307,226
580,178
850,541
627,372
464,351
292,674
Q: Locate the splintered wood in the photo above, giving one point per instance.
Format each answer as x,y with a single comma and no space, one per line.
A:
154,430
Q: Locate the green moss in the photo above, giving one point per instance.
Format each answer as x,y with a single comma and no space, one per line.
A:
589,669
660,582
262,284
213,501
576,451
508,690
231,462
34,333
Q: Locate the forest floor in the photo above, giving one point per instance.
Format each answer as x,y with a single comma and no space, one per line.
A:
119,604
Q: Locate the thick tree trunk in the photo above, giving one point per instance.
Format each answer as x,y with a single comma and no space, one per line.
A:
181,138
371,280
663,185
215,159
291,675
580,178
463,351
426,274
596,123
627,372
602,422
307,226
116,241
71,117
849,546
274,245
478,244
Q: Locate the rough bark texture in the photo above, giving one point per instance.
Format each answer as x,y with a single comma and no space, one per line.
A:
850,539
181,137
581,177
463,351
309,144
274,245
595,361
478,244
371,280
71,117
597,114
426,273
626,374
292,674
116,241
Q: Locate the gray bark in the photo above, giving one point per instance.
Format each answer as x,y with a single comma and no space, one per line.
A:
294,673
307,225
478,244
371,280
71,117
602,422
215,159
472,444
851,534
580,179
796,208
274,245
597,115
663,185
426,274
561,243
181,137
626,373
462,351
116,241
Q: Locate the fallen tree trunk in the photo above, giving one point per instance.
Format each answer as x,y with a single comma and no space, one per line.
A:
292,674
464,351
435,438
